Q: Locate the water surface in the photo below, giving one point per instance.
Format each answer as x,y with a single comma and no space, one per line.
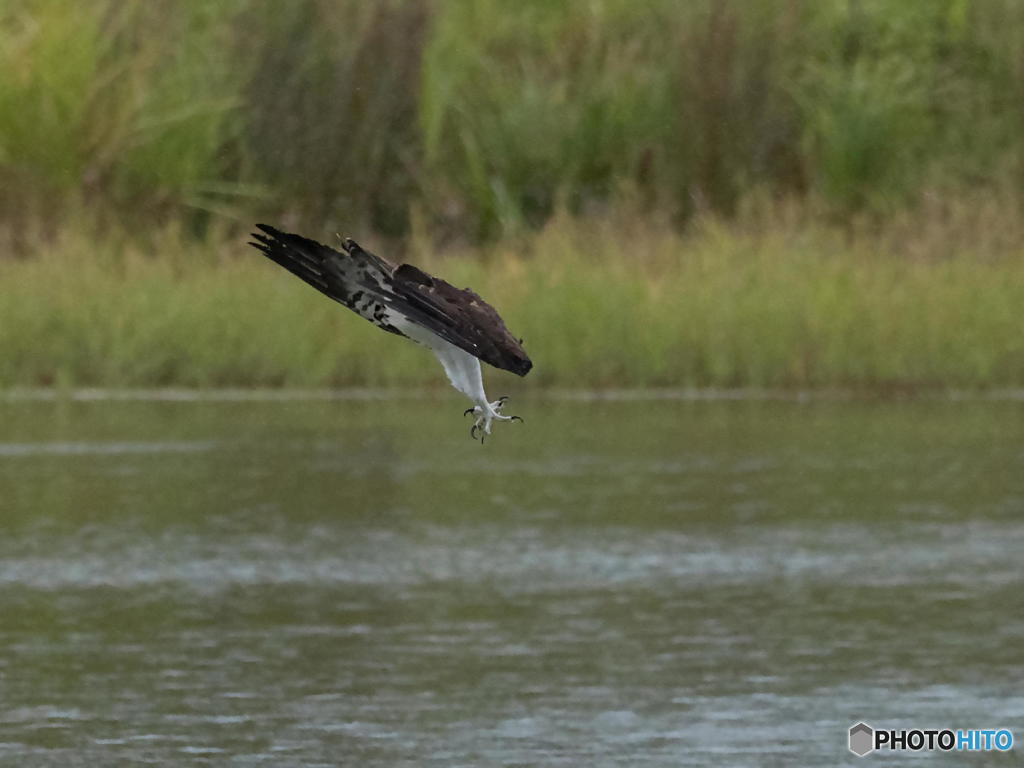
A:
634,583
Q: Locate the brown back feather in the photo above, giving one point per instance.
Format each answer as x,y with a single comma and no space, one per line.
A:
470,319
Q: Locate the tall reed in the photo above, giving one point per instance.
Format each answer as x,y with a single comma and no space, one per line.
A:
481,118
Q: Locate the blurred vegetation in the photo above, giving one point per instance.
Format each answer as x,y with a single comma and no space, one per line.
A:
479,119
783,193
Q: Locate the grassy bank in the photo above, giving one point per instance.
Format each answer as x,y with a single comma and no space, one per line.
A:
615,301
481,118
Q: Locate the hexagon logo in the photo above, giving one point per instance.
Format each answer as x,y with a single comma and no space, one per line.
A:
862,739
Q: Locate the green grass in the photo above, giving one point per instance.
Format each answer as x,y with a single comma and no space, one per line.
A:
618,301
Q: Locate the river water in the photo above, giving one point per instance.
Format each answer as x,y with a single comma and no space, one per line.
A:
622,582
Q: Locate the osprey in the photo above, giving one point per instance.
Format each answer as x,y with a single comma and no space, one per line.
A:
459,327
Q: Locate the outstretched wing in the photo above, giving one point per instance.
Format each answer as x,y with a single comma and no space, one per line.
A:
386,295
352,277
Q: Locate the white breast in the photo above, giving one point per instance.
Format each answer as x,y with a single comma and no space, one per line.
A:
462,369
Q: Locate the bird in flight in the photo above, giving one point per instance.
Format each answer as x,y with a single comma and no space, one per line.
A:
459,327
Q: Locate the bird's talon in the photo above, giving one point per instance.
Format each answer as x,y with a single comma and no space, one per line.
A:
516,418
467,412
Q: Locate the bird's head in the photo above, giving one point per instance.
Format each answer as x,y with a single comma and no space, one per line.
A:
521,363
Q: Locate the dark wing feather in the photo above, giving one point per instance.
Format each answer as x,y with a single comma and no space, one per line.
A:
331,272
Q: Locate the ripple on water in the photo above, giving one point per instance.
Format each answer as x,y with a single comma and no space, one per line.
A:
88,448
